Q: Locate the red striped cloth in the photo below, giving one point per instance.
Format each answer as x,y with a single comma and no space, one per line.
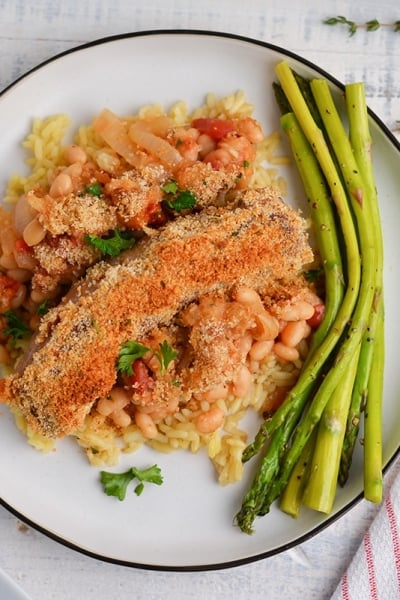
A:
374,572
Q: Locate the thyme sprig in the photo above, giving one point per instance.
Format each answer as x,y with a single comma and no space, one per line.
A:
353,26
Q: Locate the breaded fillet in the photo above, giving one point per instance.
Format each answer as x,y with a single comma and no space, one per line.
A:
72,362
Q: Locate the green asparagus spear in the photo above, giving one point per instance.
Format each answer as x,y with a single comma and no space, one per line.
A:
298,397
357,405
350,346
361,299
292,495
324,224
373,478
320,490
364,201
360,140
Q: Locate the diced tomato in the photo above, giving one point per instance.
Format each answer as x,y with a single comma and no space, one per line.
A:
21,246
141,380
316,319
8,290
215,128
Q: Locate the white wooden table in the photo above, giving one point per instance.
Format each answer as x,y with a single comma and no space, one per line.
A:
33,31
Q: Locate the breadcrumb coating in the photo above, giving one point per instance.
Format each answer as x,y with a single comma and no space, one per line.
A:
72,361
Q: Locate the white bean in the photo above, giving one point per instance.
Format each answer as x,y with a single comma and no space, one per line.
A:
38,297
285,353
113,403
75,154
261,349
294,332
250,298
146,425
242,382
297,311
210,421
18,298
61,186
121,418
218,392
7,261
34,233
206,144
244,344
20,275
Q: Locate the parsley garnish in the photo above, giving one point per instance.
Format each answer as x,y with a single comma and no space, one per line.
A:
96,189
15,327
112,245
312,275
165,356
177,199
116,484
43,308
133,350
171,187
128,353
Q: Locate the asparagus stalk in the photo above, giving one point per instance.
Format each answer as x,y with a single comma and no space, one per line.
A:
362,297
297,398
373,478
360,140
324,227
357,404
364,201
324,224
320,491
292,495
358,196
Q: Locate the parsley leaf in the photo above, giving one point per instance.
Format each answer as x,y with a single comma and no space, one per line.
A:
176,198
171,187
182,201
132,350
96,189
112,245
116,484
149,475
129,352
15,327
43,308
165,356
312,275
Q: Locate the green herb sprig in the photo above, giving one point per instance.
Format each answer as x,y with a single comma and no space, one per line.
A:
116,484
353,26
177,199
15,326
96,189
133,350
112,245
129,352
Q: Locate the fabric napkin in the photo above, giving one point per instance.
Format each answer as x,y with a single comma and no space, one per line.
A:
374,572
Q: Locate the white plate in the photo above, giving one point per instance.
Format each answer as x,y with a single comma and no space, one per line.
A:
186,523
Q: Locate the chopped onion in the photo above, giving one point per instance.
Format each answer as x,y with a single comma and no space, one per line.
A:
155,145
23,214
